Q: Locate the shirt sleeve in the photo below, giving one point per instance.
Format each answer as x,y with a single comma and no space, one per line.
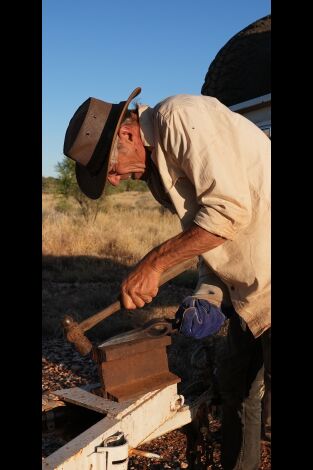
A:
209,150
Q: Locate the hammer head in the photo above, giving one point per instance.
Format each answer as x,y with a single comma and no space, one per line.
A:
75,334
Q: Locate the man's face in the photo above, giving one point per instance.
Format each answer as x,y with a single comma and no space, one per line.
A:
130,156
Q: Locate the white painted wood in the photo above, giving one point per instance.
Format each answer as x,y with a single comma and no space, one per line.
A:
259,116
245,105
138,421
74,455
141,421
257,110
184,416
80,397
105,458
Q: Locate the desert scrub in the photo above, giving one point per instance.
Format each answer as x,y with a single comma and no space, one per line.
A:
84,263
129,226
63,206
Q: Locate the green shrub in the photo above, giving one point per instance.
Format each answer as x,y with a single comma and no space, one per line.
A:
127,185
63,206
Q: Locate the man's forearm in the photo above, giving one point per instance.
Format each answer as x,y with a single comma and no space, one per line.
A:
141,285
185,245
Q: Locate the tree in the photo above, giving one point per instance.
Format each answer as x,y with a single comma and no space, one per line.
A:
68,187
49,184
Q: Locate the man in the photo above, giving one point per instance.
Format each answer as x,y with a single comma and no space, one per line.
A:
211,166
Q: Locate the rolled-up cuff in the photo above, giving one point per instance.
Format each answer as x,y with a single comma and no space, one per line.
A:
212,294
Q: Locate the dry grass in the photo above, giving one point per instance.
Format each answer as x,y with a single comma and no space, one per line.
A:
84,263
131,226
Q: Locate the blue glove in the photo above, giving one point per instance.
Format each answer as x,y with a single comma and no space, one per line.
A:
197,318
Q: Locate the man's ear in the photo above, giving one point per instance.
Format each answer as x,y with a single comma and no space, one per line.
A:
126,133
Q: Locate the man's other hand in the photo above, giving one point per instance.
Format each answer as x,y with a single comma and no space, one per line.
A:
198,318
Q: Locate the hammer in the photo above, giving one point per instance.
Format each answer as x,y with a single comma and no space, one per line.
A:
75,332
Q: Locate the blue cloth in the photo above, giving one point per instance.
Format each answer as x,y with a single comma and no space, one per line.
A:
198,318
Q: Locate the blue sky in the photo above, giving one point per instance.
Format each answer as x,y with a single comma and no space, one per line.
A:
106,48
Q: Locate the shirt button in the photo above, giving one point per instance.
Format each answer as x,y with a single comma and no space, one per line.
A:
232,287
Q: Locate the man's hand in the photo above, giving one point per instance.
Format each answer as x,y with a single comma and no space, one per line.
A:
142,284
140,287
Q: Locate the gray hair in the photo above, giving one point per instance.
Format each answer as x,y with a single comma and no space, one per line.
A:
130,116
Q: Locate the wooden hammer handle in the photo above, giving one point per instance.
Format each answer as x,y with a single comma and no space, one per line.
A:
92,321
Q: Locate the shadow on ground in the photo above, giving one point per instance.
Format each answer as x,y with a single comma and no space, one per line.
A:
84,285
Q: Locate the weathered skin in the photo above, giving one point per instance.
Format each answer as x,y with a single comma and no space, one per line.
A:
141,285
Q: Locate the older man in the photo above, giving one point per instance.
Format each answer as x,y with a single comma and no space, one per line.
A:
212,167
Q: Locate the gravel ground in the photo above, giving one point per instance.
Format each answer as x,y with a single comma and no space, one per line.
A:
63,367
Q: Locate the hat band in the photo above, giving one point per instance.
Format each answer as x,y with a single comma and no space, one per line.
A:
104,144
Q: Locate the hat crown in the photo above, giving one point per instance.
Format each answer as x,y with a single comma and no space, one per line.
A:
89,140
85,129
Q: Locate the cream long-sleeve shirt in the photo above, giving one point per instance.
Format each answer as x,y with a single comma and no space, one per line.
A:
215,168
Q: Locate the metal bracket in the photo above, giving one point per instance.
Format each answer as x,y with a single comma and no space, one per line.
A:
177,402
112,454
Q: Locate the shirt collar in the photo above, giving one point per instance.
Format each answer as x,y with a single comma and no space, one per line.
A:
145,114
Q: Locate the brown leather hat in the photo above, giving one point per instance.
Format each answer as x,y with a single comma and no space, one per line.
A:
89,141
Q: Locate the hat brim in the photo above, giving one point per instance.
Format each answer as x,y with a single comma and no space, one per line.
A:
93,186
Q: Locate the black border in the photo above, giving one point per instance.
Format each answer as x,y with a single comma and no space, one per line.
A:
21,168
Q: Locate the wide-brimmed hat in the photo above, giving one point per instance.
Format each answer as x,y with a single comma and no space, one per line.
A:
90,138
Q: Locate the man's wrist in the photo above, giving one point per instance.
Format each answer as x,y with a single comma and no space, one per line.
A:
157,264
152,261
